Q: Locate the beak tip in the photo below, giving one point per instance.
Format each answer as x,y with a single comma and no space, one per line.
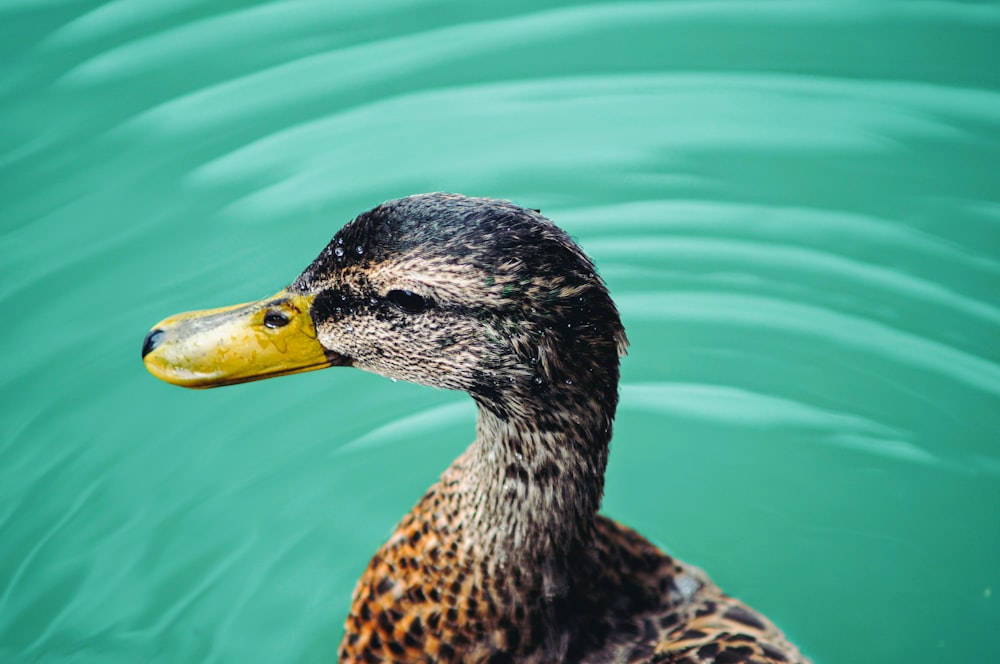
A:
152,340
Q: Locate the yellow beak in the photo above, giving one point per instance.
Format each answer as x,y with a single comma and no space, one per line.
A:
272,337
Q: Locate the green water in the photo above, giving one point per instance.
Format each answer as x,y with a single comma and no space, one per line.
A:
796,205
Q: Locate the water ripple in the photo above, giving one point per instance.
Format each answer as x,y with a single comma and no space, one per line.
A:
410,427
206,579
760,257
902,107
742,408
106,20
261,575
188,43
727,405
104,574
466,39
862,233
691,112
827,326
325,74
67,516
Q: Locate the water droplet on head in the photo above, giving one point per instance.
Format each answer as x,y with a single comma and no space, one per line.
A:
569,381
348,328
359,250
339,251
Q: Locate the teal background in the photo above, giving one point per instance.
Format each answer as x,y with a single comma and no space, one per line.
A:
796,205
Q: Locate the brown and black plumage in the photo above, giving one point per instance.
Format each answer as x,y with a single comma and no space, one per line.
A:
505,559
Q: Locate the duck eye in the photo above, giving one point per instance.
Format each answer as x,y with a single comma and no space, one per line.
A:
275,319
407,301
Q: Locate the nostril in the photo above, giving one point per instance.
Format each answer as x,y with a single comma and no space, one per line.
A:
152,340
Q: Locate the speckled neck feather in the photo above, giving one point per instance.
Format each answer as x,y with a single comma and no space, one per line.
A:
535,474
530,493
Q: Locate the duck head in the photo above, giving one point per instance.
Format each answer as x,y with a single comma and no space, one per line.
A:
444,290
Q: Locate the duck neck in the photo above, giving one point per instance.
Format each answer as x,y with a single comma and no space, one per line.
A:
533,482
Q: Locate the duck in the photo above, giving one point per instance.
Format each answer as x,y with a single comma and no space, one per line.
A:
506,558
